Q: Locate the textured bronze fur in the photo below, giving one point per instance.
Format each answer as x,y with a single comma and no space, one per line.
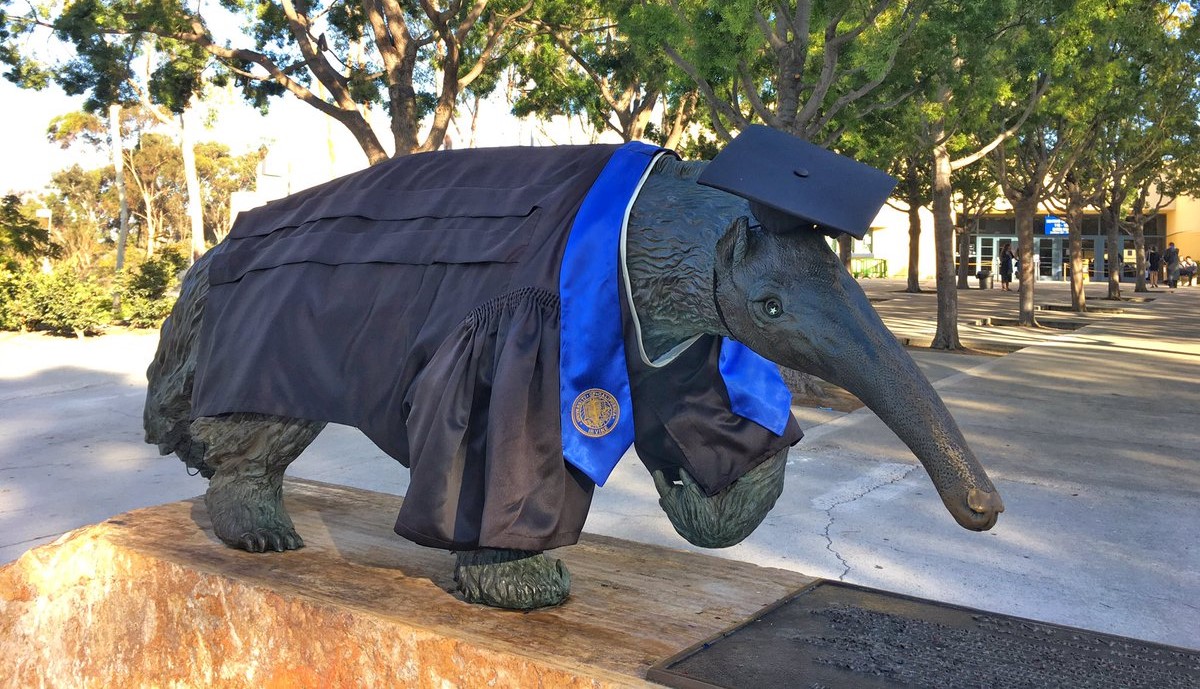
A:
697,264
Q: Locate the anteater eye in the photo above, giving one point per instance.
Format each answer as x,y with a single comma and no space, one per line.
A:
772,308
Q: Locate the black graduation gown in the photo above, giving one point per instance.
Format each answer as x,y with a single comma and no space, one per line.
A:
418,301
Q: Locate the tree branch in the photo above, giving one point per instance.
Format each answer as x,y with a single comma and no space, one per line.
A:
868,21
497,32
717,107
333,80
1043,84
764,113
772,34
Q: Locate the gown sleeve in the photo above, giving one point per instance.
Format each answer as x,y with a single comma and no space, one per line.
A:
683,420
486,460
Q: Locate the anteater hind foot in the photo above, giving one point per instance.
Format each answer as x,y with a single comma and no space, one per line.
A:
513,579
249,454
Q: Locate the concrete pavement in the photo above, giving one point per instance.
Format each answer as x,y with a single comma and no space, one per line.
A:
1090,435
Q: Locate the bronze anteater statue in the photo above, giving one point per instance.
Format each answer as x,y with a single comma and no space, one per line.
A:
479,315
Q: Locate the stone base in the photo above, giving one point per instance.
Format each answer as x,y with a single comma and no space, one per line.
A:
151,598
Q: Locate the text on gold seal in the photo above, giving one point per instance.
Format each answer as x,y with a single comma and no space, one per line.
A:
595,412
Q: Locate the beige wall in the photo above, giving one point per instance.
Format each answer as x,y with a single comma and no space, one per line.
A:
890,232
1183,226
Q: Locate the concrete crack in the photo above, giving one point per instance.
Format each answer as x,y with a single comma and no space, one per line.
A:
884,475
829,546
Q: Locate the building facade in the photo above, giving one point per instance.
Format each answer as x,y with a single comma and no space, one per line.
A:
888,241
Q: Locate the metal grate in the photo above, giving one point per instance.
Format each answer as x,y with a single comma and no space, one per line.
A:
832,635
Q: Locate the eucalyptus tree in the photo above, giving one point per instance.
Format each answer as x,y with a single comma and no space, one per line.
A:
88,127
804,67
150,171
412,58
83,204
1028,167
1147,147
21,235
975,193
86,199
978,84
221,173
1069,46
113,71
170,96
914,190
578,61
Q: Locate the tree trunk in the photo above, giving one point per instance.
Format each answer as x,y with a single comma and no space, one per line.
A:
151,229
846,250
914,252
118,157
912,184
946,336
635,125
1111,217
964,258
679,120
1025,209
194,207
474,121
1139,245
1075,242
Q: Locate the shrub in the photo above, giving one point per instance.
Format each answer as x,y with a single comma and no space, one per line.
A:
9,284
59,302
146,297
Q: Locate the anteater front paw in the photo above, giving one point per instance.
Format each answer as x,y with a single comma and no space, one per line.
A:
512,579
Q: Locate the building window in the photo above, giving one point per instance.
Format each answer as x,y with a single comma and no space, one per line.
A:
1156,226
865,247
859,248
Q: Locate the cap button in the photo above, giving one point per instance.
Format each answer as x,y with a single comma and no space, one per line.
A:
800,172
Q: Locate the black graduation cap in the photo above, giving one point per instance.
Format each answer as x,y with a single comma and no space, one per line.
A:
793,184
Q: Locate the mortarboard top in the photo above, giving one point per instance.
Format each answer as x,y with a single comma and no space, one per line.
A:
792,183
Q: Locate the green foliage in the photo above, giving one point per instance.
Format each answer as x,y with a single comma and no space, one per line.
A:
175,81
20,235
14,32
59,302
100,68
552,87
699,147
85,205
85,210
145,290
579,59
808,68
221,174
78,127
10,288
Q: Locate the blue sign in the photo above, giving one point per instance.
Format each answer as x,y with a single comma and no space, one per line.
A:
1056,226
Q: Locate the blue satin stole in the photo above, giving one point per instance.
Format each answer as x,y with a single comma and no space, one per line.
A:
594,398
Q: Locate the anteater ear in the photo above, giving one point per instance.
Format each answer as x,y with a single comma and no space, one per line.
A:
736,240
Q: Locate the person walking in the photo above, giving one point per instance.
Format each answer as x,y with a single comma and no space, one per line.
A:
1155,262
1006,266
1171,258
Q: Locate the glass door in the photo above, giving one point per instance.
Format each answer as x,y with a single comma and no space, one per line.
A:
988,251
1048,258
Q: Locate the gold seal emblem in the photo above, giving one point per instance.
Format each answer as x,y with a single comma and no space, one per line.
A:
595,412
